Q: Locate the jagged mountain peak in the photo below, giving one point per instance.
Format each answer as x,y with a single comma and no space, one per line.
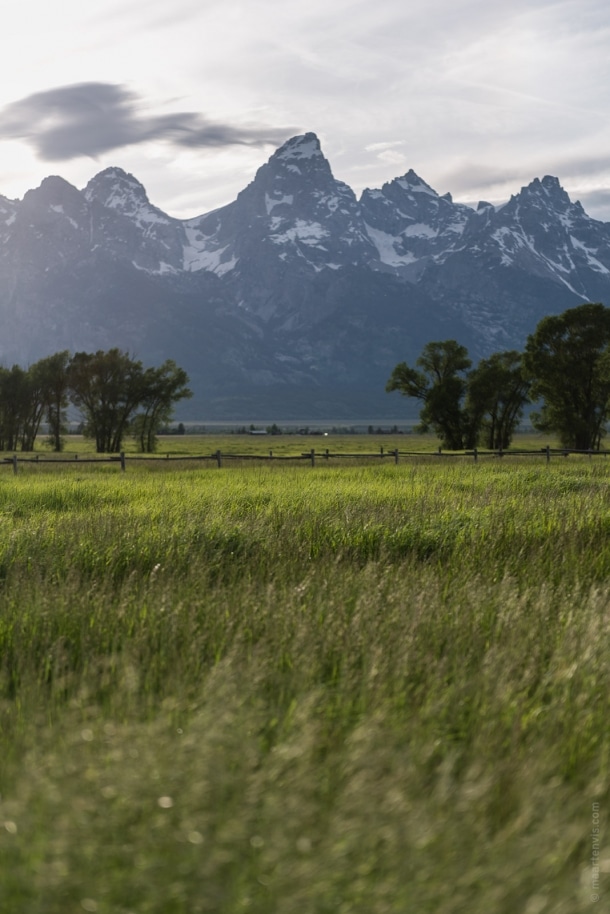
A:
304,146
301,157
115,173
52,190
402,187
546,192
119,190
551,183
114,188
293,215
409,223
54,199
295,284
411,181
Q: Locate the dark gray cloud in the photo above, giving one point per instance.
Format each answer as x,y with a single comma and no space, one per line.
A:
88,119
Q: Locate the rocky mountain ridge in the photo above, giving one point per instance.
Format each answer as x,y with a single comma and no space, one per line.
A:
296,299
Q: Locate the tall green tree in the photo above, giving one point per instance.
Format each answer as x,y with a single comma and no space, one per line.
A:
497,391
50,376
34,397
15,407
439,381
162,388
26,395
568,361
108,388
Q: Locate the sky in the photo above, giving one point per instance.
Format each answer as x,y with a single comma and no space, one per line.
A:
479,97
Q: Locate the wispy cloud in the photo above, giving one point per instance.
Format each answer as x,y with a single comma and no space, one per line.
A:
88,119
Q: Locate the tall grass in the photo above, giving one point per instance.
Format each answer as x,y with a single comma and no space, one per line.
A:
374,689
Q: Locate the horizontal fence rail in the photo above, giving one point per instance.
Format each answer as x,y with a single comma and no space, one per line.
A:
311,457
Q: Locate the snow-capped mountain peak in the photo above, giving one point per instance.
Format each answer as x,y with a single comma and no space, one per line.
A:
118,190
294,212
306,146
294,282
410,224
412,183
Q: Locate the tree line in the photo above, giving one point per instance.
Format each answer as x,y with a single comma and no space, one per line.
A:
564,370
114,393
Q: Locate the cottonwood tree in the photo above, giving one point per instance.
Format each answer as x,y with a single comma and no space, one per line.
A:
465,407
33,405
53,378
107,388
24,401
568,360
162,388
15,407
497,391
439,381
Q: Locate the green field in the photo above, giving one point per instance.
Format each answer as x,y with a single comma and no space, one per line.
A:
277,688
283,446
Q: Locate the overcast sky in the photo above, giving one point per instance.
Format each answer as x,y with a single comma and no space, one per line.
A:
477,96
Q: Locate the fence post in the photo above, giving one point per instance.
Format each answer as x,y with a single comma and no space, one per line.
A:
548,454
122,461
381,451
396,455
313,457
15,464
219,458
475,454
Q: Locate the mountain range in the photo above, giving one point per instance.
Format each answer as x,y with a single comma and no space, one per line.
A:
297,299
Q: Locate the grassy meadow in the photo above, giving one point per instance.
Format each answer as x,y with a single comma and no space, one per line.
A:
272,688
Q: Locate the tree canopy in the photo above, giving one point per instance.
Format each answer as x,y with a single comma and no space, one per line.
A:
497,391
161,388
107,387
441,385
565,368
568,360
465,407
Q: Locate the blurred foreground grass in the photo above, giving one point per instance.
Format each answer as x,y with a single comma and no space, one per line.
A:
278,689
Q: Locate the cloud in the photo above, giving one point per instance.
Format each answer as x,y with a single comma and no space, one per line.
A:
383,147
88,119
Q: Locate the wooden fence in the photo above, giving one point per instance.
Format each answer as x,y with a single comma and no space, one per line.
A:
311,457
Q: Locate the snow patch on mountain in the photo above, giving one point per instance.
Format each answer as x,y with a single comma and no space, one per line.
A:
593,262
163,269
420,230
199,254
270,202
419,188
387,245
310,233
